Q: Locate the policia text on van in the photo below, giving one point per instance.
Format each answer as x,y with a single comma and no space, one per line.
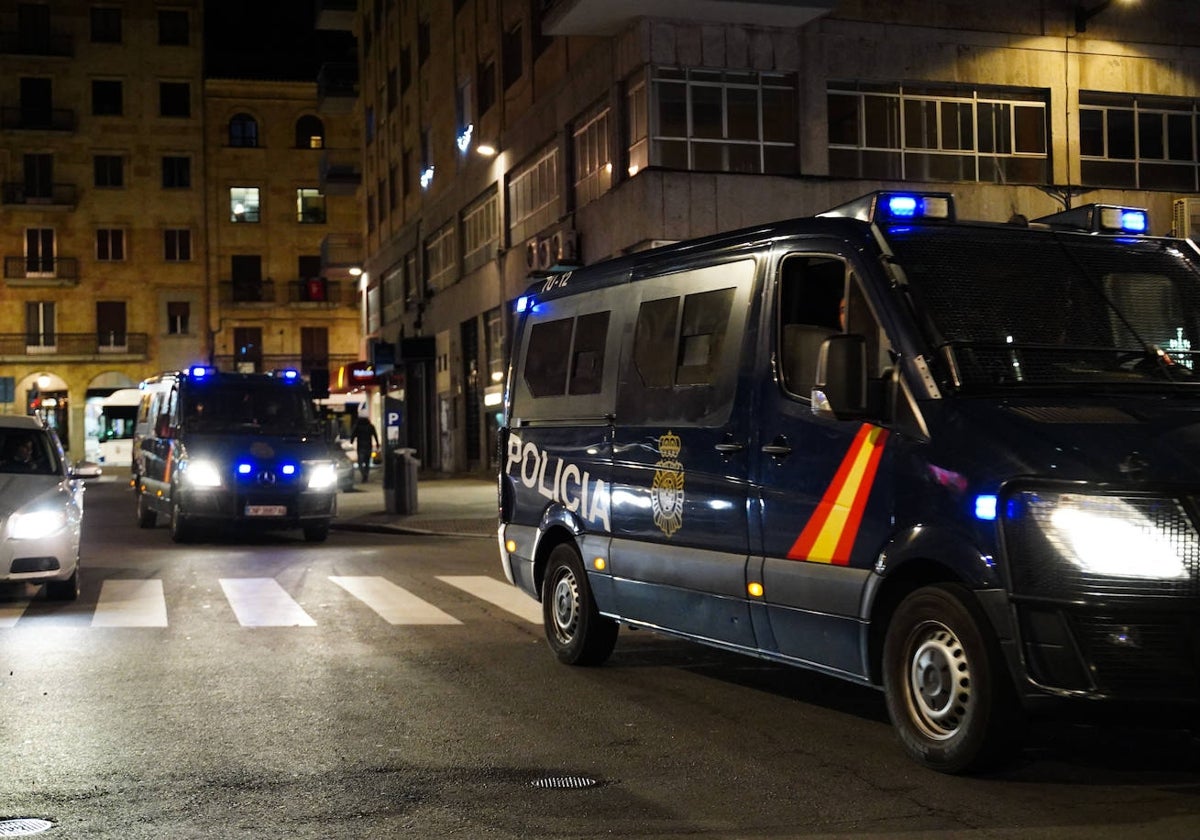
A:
957,461
219,449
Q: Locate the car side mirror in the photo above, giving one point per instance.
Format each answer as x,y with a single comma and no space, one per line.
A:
841,389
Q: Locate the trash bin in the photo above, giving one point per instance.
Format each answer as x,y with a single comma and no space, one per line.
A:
401,495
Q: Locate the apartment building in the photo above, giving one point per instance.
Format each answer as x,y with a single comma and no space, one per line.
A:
125,251
502,137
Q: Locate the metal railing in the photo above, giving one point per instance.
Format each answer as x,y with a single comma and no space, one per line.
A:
59,270
330,293
247,291
43,119
79,345
280,361
40,43
58,195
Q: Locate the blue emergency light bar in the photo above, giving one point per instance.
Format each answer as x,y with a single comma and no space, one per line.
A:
888,208
201,371
290,374
523,303
1101,218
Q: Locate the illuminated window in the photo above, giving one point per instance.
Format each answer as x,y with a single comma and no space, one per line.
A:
310,206
243,204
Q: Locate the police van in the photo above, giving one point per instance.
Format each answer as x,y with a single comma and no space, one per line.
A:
956,461
219,449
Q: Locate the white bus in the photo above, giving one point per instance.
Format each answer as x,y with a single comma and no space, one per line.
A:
118,414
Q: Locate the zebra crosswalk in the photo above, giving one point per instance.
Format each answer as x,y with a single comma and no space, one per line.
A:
264,602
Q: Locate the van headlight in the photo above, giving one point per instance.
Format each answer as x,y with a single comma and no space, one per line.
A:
1064,543
36,524
322,475
202,474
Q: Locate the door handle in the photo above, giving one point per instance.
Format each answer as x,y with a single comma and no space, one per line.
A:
778,448
729,447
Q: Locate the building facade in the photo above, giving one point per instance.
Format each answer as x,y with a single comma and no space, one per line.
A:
118,161
502,137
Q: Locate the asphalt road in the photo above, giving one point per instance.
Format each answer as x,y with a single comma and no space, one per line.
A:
383,686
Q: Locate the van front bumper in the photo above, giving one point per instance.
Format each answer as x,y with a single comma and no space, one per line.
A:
264,509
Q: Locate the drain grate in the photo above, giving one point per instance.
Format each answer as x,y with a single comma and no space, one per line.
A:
564,783
23,827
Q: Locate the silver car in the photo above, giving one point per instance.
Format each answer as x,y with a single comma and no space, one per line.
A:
41,509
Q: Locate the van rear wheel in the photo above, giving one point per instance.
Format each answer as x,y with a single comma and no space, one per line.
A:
948,691
576,631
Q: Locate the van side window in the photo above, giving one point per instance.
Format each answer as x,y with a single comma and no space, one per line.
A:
811,307
567,356
654,342
705,317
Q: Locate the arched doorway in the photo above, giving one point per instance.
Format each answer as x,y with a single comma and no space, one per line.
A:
44,395
100,387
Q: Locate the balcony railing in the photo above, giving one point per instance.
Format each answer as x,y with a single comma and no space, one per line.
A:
337,87
40,119
56,44
341,251
247,291
38,271
341,172
88,346
320,292
270,362
58,195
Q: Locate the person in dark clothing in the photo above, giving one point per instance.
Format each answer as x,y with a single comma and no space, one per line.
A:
365,439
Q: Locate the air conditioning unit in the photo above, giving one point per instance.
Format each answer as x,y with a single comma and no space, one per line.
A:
564,247
531,255
1186,218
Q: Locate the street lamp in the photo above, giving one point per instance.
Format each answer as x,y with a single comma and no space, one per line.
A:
1082,15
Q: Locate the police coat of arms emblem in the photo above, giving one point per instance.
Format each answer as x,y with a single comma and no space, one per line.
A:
666,494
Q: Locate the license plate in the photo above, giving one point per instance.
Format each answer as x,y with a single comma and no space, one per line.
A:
266,510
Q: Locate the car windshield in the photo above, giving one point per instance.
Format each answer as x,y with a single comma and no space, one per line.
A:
271,408
29,451
1012,306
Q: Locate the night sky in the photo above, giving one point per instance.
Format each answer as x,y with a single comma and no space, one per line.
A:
268,39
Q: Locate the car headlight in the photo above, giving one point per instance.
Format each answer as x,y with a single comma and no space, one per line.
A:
202,474
1068,544
322,475
36,524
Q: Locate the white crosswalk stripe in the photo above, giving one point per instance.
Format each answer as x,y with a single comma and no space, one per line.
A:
10,614
131,603
393,603
262,602
502,594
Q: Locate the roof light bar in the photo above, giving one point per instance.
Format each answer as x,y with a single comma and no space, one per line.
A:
897,207
201,371
1101,218
290,374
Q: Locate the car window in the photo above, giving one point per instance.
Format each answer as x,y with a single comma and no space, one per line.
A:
27,451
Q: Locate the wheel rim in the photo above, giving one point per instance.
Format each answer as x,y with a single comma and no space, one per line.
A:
565,606
939,681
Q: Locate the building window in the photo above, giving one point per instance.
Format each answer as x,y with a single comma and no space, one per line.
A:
177,245
513,56
393,293
174,99
439,258
310,206
486,74
243,204
39,325
1138,142
106,25
173,28
310,133
178,312
314,348
412,281
393,195
481,230
110,325
243,131
391,94
533,193
107,98
370,212
593,160
40,252
405,68
176,172
110,244
422,41
108,170
720,121
937,133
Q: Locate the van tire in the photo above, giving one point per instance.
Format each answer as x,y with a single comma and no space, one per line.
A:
948,692
316,533
146,515
181,530
576,631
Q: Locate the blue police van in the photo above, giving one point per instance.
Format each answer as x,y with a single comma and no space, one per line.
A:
215,449
958,461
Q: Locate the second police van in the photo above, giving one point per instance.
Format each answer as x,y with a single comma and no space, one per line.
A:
958,461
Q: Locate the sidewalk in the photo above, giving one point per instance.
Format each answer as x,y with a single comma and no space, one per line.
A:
461,507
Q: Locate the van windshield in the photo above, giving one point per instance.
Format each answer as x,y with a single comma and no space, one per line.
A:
270,408
1014,306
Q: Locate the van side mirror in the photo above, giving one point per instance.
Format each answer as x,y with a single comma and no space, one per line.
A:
841,388
162,426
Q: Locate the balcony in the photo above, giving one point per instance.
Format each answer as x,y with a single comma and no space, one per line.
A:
341,172
59,196
44,43
77,347
37,119
607,17
281,361
337,87
247,291
336,15
320,293
39,271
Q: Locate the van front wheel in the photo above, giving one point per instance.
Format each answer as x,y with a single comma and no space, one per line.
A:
576,631
948,692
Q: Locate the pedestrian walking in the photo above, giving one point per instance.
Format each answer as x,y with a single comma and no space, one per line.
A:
365,440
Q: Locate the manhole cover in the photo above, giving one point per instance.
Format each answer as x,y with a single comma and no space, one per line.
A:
23,827
565,782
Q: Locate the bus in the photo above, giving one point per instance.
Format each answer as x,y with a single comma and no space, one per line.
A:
118,416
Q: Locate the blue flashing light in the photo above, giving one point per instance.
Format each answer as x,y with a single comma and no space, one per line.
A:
903,206
288,469
1134,221
290,374
523,303
985,507
200,371
244,468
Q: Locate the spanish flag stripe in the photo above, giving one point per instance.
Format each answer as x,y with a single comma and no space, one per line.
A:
829,534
